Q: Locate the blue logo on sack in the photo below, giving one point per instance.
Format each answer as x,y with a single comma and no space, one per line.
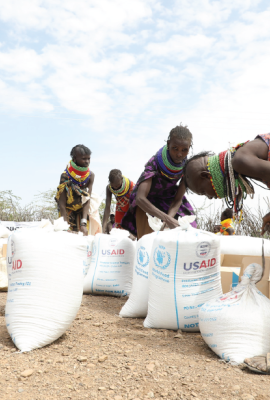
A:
94,249
142,256
162,258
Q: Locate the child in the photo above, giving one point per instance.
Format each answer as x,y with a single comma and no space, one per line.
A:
121,187
110,224
156,191
74,191
226,227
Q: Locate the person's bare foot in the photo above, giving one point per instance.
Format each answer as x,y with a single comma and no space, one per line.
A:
259,363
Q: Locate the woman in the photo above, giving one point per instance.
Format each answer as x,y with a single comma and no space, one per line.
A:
227,175
121,187
156,191
74,191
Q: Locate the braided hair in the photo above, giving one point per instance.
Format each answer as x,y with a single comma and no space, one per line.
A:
181,132
81,148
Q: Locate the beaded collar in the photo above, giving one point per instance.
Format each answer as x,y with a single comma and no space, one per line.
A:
166,165
78,175
124,189
226,182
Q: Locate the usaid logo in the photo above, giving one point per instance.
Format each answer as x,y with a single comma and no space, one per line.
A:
203,249
162,258
142,256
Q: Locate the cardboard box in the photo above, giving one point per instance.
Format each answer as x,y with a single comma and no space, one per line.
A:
229,278
264,284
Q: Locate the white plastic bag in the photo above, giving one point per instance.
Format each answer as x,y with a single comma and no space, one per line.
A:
237,325
111,266
45,285
137,304
184,274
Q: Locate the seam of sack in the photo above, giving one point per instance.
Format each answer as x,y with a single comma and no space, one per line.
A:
92,285
175,299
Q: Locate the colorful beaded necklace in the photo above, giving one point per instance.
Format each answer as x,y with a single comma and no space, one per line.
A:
166,165
226,182
78,175
124,189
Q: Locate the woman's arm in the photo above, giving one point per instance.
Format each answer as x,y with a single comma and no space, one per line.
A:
86,206
62,204
107,210
176,203
148,207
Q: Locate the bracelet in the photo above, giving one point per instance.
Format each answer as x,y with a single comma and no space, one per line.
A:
83,221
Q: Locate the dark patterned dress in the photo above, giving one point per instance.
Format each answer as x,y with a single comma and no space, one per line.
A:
161,195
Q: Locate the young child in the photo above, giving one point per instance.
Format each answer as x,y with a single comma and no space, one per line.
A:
74,191
157,191
110,224
121,187
226,227
227,175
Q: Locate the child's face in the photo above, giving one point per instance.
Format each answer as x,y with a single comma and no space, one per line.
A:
178,149
117,183
82,160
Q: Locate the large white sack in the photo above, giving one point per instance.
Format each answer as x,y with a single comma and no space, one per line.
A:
184,274
137,304
111,266
87,261
234,248
237,325
45,285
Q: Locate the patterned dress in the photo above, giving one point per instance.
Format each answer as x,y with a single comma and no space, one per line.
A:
161,195
122,206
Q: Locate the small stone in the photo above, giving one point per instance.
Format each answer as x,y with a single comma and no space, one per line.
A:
12,350
151,395
27,373
178,336
118,398
96,324
102,388
150,367
207,360
247,396
193,394
236,387
113,387
82,358
87,318
102,359
20,390
91,365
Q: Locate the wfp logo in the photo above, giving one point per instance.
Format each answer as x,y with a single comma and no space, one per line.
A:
203,249
142,256
94,249
12,248
162,258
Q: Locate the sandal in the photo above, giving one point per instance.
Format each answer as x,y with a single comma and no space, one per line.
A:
259,364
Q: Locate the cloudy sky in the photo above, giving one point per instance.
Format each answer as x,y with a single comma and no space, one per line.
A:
118,75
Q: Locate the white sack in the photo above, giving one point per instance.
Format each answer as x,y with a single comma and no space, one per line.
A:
87,261
94,218
184,274
45,285
111,266
4,232
243,245
3,264
237,325
137,304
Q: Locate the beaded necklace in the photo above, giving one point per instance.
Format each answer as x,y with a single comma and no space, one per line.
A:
78,175
226,182
124,189
166,165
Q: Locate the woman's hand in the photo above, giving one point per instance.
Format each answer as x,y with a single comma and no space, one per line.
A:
266,224
171,222
84,230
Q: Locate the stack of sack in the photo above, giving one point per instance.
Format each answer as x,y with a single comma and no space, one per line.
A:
237,325
111,264
45,268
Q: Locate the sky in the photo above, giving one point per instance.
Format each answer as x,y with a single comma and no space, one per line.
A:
118,75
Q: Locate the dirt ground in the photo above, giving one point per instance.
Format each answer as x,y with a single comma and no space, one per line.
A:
103,356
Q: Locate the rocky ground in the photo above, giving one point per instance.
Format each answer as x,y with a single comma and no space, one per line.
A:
105,357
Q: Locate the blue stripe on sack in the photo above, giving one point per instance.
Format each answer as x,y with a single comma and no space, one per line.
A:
175,299
235,279
95,265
